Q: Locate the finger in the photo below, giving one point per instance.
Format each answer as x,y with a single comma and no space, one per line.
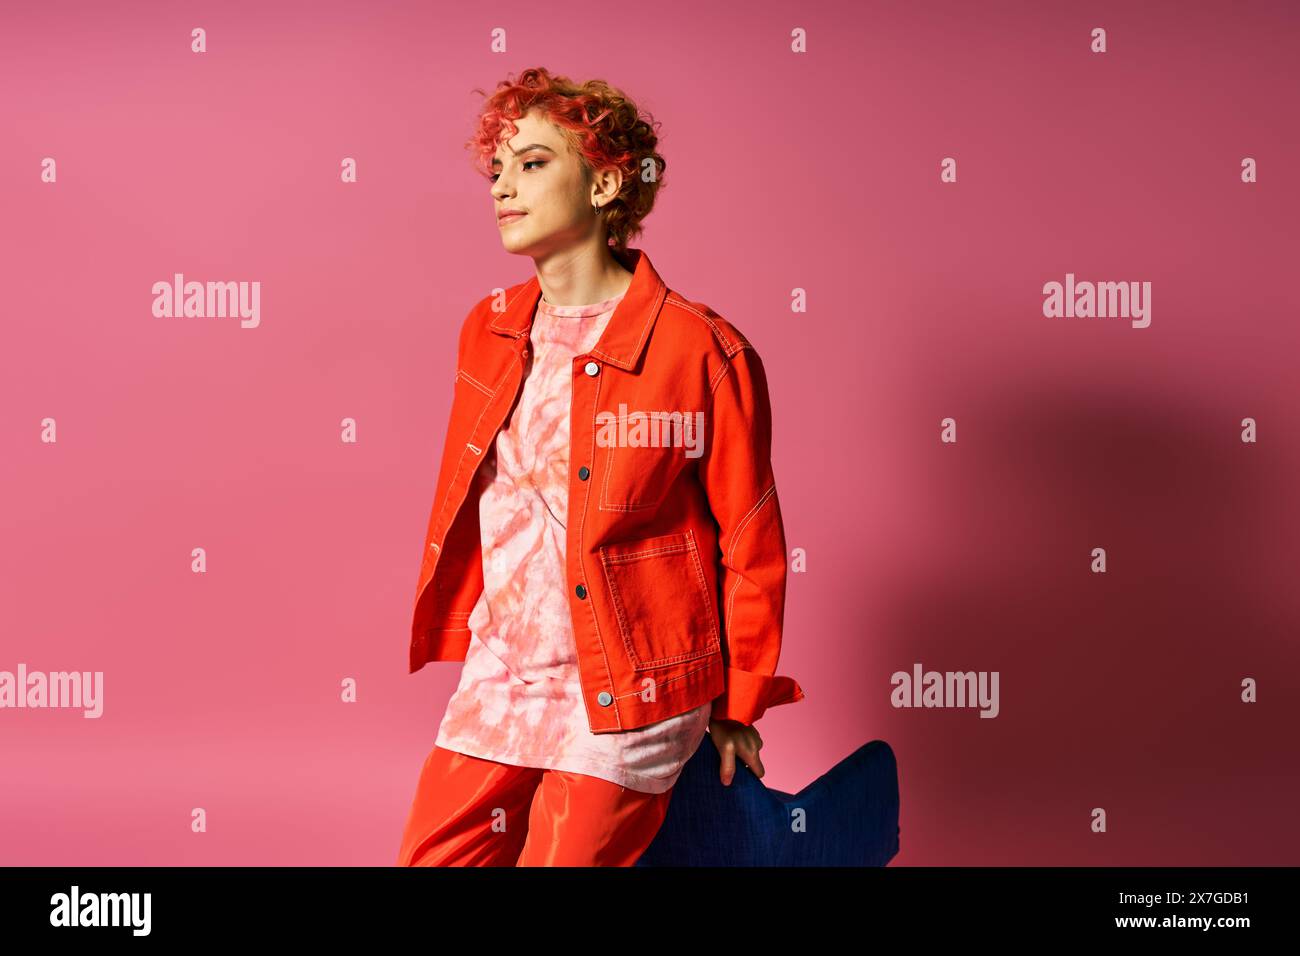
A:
728,771
755,763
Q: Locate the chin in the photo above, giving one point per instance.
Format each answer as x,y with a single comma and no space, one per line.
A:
517,245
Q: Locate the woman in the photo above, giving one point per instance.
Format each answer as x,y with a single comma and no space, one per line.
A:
611,571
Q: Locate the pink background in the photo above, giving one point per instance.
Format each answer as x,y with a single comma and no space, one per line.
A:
817,171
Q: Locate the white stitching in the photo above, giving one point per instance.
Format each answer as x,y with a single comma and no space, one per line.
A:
502,314
688,548
740,530
719,376
461,373
461,461
653,312
729,347
704,585
619,558
713,661
591,605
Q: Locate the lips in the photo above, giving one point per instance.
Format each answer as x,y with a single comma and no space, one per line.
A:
510,217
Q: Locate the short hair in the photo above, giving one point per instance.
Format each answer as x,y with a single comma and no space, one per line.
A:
604,126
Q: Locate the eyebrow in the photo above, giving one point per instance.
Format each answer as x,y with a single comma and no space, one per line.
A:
497,162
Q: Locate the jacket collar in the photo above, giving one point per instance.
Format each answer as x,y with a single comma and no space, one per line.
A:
629,327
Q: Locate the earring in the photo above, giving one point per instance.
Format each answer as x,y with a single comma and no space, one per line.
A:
596,207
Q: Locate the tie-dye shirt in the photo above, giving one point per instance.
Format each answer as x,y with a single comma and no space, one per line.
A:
519,700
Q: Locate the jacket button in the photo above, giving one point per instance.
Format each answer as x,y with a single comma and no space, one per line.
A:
582,591
604,699
591,368
584,472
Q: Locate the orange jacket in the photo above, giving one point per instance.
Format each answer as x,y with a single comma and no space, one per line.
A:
676,555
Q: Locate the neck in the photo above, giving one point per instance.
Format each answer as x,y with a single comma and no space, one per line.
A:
581,276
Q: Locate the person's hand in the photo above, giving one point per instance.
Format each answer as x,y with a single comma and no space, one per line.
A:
734,739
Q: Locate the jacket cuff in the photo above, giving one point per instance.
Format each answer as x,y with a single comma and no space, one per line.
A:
749,694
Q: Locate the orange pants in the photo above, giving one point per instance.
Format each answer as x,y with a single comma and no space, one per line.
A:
474,812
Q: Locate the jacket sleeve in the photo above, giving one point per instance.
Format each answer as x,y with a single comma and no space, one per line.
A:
736,471
451,450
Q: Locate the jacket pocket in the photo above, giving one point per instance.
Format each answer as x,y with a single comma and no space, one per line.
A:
639,476
660,597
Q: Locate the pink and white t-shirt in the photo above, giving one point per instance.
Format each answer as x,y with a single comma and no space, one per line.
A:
519,700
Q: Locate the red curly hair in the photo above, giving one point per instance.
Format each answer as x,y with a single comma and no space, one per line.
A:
604,127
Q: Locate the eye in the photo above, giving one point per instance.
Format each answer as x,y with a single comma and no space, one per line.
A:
532,162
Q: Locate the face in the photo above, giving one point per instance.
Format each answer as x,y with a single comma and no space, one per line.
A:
537,172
